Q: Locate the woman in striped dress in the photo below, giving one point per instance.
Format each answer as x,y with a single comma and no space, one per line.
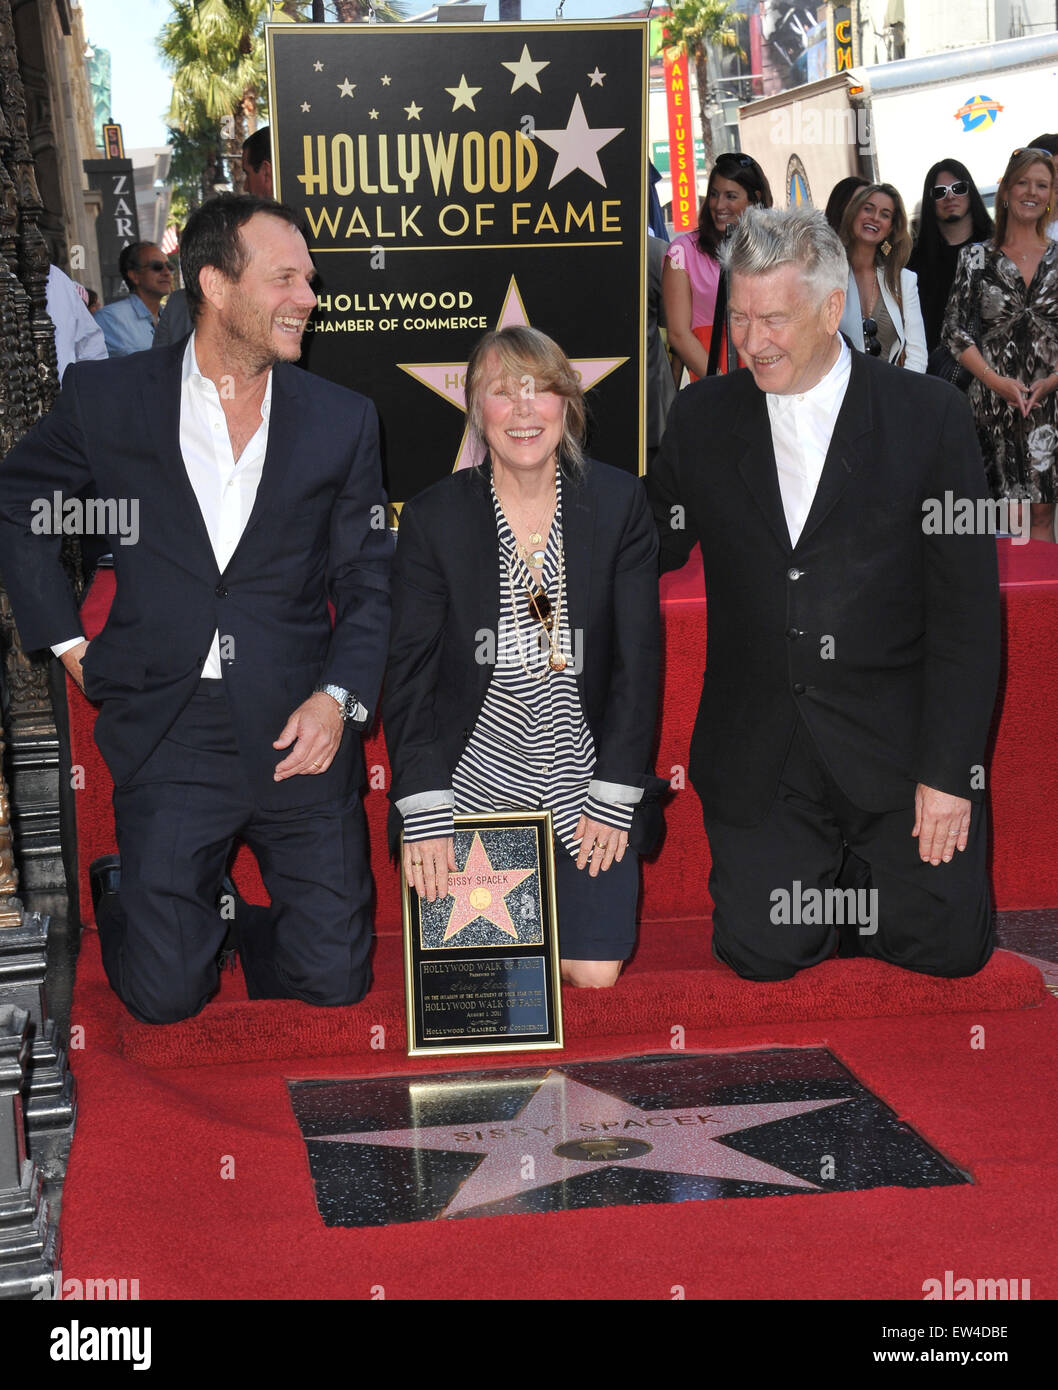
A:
524,655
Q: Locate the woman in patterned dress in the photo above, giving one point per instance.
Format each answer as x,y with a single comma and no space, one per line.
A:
1009,287
525,652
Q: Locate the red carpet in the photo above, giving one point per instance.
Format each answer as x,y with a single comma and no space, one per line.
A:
146,1197
685,986
1023,772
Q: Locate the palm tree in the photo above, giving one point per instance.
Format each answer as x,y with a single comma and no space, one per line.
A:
691,28
215,50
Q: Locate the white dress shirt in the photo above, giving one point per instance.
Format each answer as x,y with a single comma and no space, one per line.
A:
225,488
801,428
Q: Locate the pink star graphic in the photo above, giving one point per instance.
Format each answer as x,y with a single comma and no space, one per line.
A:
682,1140
447,379
479,890
578,145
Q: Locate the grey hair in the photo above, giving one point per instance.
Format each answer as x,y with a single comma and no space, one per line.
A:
767,238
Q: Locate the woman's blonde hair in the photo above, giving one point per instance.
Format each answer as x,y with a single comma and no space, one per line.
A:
1019,161
533,362
899,237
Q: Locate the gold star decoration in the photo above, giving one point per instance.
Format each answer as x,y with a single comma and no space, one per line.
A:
413,112
525,71
463,94
373,114
346,88
306,108
385,81
317,66
596,76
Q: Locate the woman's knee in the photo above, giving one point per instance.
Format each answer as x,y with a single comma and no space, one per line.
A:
591,974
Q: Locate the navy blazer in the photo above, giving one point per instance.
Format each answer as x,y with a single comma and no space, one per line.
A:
316,532
883,636
446,605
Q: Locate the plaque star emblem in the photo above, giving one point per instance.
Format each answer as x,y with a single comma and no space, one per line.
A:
578,145
413,112
306,108
463,94
373,114
479,890
346,88
386,80
566,1113
447,378
525,71
317,66
596,76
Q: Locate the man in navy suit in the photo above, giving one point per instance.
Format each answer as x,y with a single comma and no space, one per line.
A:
225,686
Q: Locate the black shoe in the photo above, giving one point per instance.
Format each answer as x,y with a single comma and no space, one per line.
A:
104,876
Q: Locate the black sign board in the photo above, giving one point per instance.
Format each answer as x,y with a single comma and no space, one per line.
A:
118,223
456,179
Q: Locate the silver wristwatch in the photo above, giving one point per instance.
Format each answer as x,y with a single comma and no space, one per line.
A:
353,712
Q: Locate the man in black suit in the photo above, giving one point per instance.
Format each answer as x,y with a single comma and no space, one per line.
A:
853,654
225,688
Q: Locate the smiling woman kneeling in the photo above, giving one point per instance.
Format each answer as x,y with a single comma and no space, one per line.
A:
552,556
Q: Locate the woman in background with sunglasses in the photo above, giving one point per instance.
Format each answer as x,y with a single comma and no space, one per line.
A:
691,276
882,315
525,651
953,215
1002,326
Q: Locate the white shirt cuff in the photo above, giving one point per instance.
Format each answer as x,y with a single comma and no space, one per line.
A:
61,647
615,792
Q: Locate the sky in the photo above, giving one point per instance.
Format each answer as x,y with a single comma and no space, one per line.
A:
141,85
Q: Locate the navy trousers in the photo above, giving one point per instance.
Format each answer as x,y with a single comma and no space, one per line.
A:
176,821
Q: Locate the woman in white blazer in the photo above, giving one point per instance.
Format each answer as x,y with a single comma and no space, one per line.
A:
882,313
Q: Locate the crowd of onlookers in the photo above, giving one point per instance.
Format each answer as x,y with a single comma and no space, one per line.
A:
959,295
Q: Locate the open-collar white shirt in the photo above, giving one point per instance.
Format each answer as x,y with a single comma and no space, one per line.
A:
802,425
225,487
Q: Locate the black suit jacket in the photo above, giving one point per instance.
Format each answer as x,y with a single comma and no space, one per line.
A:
884,637
446,607
312,536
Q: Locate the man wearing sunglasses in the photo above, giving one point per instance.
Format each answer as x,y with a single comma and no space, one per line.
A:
953,215
128,324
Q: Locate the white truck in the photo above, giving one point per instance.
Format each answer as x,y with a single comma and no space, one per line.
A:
890,122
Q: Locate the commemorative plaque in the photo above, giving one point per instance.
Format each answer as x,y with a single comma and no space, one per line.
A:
482,971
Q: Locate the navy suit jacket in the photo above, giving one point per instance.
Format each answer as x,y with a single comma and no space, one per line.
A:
446,607
316,533
883,636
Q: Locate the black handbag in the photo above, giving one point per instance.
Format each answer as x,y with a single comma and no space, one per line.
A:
941,363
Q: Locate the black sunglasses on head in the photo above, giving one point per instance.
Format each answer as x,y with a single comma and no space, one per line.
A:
941,190
871,346
742,161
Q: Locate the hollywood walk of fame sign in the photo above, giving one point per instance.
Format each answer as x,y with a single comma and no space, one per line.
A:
654,1129
460,178
481,965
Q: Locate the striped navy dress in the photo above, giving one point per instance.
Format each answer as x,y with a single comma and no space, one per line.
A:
531,747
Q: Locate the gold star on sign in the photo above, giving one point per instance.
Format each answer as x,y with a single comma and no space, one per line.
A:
373,115
318,66
386,81
525,71
346,88
413,112
464,95
306,107
596,76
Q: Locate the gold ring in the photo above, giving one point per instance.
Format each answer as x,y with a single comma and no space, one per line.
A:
416,863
